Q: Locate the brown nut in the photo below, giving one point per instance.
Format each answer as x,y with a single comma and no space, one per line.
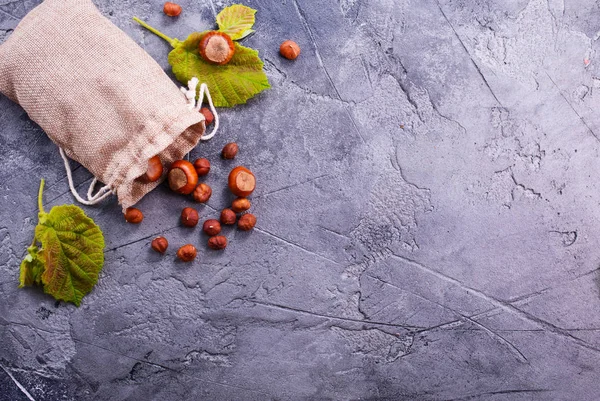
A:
187,253
211,227
289,49
240,205
133,215
208,115
229,151
189,217
247,222
202,193
216,47
155,169
160,244
217,243
241,181
228,217
172,9
183,177
202,166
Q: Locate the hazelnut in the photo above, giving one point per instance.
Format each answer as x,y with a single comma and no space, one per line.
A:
133,215
208,115
202,166
219,242
228,217
202,193
183,177
189,217
241,181
289,49
229,151
187,253
172,9
155,169
216,47
247,222
211,227
160,244
240,205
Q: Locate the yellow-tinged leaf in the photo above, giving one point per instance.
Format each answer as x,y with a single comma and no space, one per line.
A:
236,21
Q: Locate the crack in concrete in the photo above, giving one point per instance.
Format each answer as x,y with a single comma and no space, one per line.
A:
512,348
325,316
261,230
573,108
503,305
17,383
485,81
499,392
304,21
292,186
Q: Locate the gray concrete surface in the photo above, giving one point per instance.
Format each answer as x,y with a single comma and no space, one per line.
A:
428,219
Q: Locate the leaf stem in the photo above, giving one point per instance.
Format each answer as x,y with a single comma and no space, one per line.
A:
172,41
41,190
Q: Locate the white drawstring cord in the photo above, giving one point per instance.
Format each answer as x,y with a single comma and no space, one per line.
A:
99,193
106,191
190,94
103,193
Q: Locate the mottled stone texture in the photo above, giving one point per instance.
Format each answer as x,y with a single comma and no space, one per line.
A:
428,219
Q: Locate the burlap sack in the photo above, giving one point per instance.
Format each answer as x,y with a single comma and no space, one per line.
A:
97,94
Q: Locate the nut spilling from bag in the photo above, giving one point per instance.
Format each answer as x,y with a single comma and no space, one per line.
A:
183,177
155,169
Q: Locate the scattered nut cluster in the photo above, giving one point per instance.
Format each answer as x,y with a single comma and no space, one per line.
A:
183,178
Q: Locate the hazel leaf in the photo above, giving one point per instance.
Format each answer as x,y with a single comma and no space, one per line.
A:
230,84
72,252
236,21
32,268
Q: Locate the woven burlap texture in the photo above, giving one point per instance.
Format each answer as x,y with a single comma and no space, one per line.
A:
97,94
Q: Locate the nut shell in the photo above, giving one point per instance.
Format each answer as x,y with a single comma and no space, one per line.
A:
183,177
189,217
211,227
187,253
202,166
202,193
241,181
289,49
216,47
217,243
172,9
160,244
133,215
228,217
155,169
247,222
208,115
230,150
240,205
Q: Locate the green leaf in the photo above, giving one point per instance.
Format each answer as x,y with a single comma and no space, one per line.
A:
236,21
230,84
32,268
72,252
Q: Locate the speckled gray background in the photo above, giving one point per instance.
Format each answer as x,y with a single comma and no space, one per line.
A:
428,219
